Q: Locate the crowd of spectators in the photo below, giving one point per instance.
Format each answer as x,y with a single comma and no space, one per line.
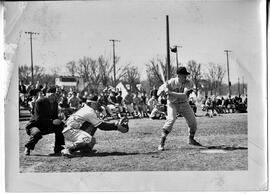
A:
114,105
216,105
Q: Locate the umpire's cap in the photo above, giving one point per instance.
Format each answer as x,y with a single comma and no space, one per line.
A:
182,71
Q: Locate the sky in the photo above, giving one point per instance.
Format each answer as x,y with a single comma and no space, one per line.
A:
70,30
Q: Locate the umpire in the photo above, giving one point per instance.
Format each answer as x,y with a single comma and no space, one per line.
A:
44,122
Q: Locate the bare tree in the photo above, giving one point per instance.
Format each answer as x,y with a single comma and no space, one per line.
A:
71,66
25,73
153,72
215,75
131,76
105,70
195,73
83,68
220,75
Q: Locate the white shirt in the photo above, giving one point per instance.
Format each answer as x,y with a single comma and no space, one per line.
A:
174,85
84,114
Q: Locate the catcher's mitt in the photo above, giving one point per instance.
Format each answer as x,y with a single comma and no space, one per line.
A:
122,125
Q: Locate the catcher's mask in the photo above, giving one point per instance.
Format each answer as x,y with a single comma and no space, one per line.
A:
93,102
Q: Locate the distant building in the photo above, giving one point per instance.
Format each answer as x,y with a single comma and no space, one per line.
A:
67,82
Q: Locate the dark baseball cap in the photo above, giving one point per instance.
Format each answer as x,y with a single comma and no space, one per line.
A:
182,71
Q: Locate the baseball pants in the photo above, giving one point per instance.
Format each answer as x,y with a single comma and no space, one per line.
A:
185,110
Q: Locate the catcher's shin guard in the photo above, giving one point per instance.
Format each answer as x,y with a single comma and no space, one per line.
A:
87,143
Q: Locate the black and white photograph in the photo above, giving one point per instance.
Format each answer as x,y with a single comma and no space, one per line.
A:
158,95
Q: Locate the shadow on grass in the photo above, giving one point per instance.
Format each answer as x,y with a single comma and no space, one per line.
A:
215,147
225,147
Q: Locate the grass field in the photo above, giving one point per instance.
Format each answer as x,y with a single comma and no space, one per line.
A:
137,149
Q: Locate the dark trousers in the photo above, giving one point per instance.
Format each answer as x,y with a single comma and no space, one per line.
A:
36,134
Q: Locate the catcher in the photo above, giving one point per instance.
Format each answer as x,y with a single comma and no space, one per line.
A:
81,126
177,102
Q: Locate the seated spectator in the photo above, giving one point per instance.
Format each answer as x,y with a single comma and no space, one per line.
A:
143,105
84,97
136,104
74,102
193,105
156,112
128,103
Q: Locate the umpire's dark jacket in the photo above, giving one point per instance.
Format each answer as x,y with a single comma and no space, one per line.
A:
42,117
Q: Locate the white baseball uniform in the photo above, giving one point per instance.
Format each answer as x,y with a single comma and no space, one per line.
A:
178,105
73,132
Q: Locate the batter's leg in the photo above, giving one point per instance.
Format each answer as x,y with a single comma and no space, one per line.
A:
167,127
189,115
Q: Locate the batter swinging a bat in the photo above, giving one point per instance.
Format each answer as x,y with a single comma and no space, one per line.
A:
177,102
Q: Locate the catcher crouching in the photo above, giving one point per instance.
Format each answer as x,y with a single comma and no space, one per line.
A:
81,126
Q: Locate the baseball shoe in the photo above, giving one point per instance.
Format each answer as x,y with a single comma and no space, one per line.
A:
161,148
122,125
192,141
66,153
27,151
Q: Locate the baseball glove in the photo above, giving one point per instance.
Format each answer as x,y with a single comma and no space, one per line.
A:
122,125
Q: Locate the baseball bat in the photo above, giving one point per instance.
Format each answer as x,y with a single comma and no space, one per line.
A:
161,73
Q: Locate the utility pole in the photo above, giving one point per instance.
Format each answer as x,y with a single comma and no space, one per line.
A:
228,69
175,50
32,65
114,73
168,48
243,85
239,87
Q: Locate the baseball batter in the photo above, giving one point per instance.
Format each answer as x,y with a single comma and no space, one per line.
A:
81,126
177,102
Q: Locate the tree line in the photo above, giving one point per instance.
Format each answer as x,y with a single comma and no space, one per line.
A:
98,74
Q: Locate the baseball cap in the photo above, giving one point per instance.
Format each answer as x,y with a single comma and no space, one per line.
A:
182,71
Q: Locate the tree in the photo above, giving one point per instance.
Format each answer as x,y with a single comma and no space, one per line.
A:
220,75
195,73
105,70
71,66
25,73
215,75
131,76
153,71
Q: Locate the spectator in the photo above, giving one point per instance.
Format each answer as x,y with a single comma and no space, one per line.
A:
22,87
143,105
74,102
128,103
136,104
45,88
193,105
153,92
85,96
